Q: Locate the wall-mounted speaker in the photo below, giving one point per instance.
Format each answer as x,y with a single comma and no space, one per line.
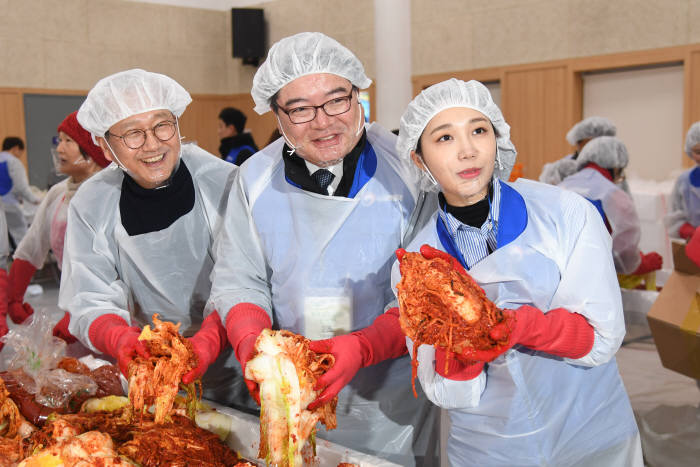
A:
248,31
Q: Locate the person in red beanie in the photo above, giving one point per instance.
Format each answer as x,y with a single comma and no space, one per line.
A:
79,158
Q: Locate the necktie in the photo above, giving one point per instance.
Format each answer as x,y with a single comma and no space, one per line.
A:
323,177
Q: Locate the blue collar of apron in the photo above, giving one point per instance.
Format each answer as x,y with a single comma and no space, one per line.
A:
512,220
695,176
364,171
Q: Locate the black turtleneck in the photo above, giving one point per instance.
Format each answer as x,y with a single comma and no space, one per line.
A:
295,169
473,215
149,210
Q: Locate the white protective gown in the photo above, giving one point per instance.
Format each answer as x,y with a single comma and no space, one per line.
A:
48,229
321,265
529,408
619,211
685,201
106,271
16,223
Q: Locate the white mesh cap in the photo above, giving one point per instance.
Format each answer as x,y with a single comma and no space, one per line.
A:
692,138
606,151
303,54
589,128
128,93
449,94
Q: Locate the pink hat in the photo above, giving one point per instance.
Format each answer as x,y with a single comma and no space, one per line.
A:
72,128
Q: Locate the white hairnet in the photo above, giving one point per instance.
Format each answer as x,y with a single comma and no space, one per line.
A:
606,151
128,93
692,138
589,128
449,94
303,54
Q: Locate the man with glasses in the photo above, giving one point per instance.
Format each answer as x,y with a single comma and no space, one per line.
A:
140,233
308,243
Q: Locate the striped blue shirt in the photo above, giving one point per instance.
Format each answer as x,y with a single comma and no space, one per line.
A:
474,243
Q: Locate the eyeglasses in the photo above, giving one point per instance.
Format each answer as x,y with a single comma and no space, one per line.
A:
306,113
135,139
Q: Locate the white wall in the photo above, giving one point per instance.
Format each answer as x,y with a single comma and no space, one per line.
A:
647,108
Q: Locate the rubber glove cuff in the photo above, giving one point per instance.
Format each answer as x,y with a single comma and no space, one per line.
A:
208,343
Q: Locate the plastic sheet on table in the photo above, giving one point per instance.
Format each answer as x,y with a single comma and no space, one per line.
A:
241,431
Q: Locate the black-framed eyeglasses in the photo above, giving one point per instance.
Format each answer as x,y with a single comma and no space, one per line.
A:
306,113
135,139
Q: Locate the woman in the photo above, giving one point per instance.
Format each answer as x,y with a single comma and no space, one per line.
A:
553,394
79,158
598,168
685,197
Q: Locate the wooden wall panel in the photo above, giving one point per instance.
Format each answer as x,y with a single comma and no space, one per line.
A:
691,107
533,104
12,116
199,122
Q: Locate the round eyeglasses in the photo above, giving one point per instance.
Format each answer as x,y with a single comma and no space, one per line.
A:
135,139
306,113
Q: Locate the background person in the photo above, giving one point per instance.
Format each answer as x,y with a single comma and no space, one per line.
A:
14,187
79,158
685,197
578,136
600,164
237,145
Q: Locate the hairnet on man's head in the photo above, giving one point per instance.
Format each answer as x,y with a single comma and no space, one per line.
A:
451,94
590,128
606,151
303,54
129,93
692,138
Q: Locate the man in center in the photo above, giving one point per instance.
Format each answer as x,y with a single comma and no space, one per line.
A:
308,242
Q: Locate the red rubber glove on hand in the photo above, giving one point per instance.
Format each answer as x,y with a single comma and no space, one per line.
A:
457,370
21,273
61,329
244,323
429,252
650,262
692,248
686,231
207,343
380,341
112,335
558,332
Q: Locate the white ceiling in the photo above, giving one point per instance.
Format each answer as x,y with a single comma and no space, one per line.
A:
205,4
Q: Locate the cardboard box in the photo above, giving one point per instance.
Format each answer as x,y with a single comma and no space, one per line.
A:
674,319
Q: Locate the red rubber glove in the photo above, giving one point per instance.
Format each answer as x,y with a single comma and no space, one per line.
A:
112,335
207,343
61,329
429,252
650,262
21,273
244,323
4,284
380,341
686,231
692,248
558,332
457,370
